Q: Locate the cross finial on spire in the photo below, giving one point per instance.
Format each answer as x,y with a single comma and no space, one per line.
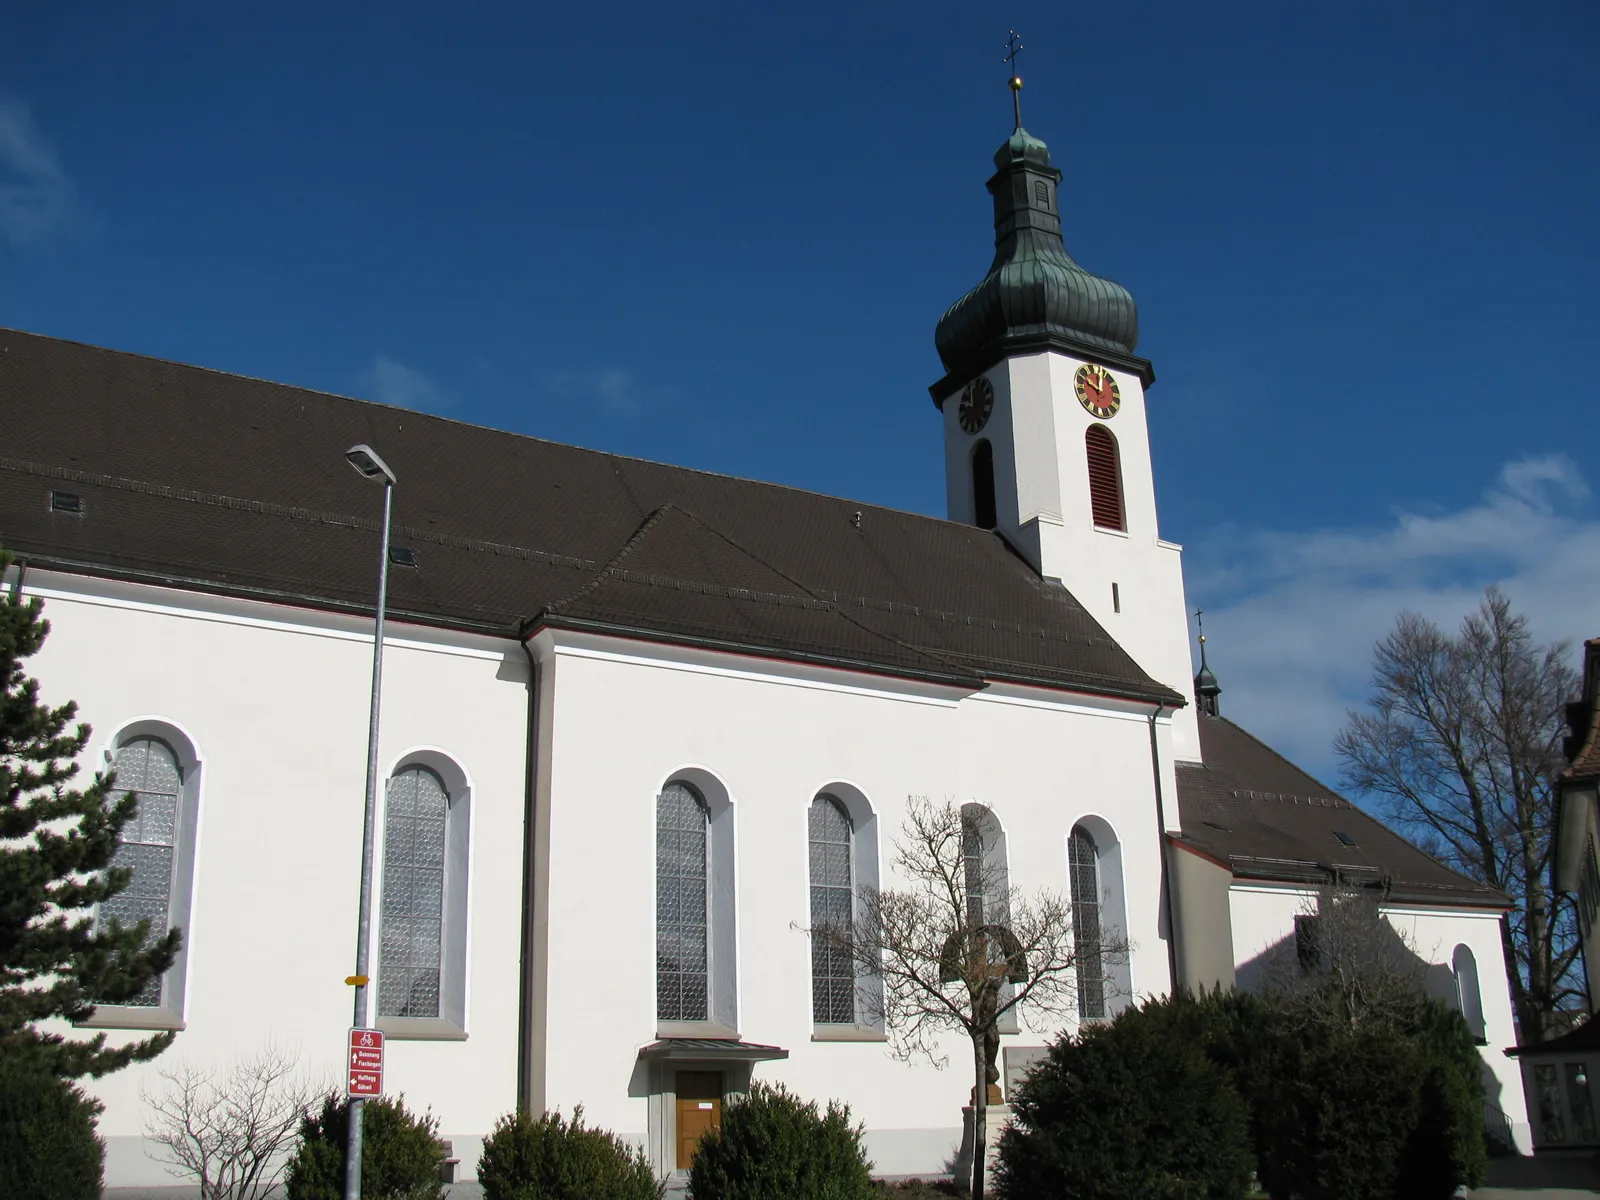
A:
1013,48
1200,625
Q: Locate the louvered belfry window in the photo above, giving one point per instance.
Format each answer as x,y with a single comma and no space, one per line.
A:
682,960
1105,478
148,768
412,918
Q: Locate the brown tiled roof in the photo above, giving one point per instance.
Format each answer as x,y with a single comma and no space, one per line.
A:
220,482
1585,759
1254,810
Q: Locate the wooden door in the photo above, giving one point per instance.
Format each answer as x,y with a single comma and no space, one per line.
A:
699,1110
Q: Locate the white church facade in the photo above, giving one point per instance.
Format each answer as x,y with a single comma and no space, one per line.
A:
639,721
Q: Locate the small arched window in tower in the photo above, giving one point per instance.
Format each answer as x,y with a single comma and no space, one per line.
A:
1083,865
1105,478
983,515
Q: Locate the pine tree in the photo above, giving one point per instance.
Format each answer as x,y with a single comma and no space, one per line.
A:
56,850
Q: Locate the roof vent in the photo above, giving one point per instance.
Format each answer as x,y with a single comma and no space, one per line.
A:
1344,837
402,556
67,502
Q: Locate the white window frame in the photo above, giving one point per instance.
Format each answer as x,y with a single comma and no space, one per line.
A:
172,1012
455,953
865,876
722,910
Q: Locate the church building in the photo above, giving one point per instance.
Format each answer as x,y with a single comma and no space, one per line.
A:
640,721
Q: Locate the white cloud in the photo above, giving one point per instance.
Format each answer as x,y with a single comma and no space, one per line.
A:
614,390
37,200
405,387
1292,618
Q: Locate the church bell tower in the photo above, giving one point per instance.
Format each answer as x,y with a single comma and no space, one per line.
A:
1045,432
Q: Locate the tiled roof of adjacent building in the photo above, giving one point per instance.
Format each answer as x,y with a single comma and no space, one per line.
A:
1256,812
1584,750
218,482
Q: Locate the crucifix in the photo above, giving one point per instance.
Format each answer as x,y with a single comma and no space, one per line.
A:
1014,48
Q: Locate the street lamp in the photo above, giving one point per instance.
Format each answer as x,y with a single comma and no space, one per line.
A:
369,466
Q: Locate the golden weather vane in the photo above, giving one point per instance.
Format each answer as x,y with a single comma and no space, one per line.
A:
1013,48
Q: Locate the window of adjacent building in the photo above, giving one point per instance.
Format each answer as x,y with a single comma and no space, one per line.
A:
422,911
148,768
833,973
983,506
1589,885
682,911
1105,478
1083,866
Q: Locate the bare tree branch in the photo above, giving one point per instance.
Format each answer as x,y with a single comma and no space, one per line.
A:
231,1134
1462,743
957,948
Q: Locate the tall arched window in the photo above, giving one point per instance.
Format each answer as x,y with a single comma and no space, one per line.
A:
412,921
1465,966
1105,478
983,510
682,960
1083,865
833,972
147,767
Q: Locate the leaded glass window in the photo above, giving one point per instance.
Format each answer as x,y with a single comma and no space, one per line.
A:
681,909
148,768
833,976
1083,868
973,865
412,919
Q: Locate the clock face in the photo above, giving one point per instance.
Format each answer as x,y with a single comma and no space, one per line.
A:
1097,390
977,402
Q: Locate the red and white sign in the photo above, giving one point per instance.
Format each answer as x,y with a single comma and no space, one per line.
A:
366,1062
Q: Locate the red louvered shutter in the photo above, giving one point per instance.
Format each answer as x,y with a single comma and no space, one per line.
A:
1105,477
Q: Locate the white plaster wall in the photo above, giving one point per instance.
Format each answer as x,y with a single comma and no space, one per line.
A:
1037,431
1434,934
624,725
276,700
1263,918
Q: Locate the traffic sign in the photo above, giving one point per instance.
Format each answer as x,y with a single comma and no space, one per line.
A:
365,1063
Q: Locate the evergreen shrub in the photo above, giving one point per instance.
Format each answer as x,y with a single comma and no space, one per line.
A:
773,1145
1138,1107
545,1158
48,1146
401,1154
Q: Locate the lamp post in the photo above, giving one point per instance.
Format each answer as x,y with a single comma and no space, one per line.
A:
369,466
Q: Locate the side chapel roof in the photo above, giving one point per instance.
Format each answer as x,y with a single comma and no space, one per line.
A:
1254,811
218,482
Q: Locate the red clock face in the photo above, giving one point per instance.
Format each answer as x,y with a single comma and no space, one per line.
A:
1097,390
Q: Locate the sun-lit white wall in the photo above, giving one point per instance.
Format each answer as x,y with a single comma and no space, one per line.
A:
629,718
275,700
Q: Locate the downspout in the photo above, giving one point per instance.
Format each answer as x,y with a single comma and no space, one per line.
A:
525,989
16,584
1161,835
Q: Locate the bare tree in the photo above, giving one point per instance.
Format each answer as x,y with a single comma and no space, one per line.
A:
1347,965
231,1134
958,949
1463,743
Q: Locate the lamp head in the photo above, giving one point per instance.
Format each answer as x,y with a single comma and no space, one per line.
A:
367,463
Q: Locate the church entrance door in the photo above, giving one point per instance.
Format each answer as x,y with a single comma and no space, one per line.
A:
699,1111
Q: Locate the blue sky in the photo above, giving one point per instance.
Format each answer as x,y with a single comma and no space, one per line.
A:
1362,239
